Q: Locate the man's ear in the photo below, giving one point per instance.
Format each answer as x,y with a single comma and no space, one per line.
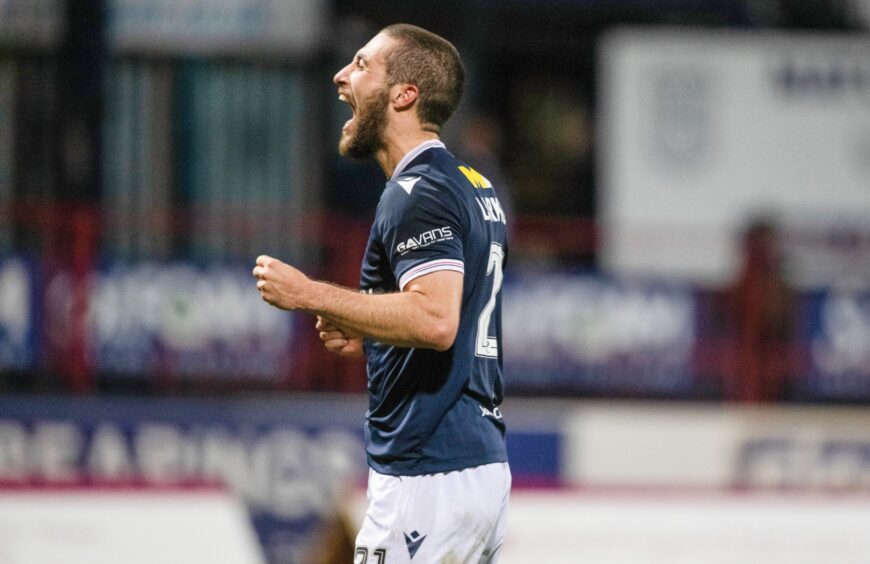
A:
403,96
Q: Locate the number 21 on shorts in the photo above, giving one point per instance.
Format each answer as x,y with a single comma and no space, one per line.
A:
361,556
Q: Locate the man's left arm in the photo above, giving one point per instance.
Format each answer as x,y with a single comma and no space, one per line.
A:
424,315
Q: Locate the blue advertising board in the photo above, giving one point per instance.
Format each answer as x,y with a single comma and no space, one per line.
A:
187,321
586,334
839,346
18,314
563,332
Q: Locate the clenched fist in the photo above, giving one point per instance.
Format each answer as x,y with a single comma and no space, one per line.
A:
280,284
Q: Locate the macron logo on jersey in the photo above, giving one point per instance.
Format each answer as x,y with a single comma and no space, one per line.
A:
407,184
495,413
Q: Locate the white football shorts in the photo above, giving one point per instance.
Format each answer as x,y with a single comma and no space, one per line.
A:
453,517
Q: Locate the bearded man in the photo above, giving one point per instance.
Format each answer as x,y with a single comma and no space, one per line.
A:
427,314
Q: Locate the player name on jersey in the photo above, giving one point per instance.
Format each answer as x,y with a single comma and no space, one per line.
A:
489,205
491,209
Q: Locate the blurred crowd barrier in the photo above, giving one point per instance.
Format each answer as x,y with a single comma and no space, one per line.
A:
75,316
90,323
150,151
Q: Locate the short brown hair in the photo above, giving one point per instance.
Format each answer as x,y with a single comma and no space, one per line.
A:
432,64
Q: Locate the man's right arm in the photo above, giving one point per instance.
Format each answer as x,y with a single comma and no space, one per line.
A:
424,315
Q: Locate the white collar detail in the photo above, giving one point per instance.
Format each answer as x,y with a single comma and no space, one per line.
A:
413,154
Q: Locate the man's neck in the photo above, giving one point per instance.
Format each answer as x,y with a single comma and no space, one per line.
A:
398,146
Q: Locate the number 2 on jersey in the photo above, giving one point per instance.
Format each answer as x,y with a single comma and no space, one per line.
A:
488,346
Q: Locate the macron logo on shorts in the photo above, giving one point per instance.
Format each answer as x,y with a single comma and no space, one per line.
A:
413,541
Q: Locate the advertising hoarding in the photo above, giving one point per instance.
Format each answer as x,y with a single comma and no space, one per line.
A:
230,27
585,334
702,131
18,314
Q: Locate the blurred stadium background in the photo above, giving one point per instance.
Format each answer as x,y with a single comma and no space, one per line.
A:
687,304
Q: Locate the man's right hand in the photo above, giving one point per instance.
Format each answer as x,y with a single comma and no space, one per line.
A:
339,340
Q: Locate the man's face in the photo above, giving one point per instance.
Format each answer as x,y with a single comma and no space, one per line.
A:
362,85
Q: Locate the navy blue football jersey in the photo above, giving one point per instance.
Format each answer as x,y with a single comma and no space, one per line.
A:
433,411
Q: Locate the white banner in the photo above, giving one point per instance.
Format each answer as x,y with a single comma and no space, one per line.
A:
678,445
88,526
31,23
702,131
235,27
565,527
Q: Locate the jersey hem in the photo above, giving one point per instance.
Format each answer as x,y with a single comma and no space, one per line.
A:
420,467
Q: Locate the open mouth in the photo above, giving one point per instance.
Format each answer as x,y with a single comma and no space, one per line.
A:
346,99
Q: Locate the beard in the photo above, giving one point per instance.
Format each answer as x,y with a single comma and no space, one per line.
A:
369,124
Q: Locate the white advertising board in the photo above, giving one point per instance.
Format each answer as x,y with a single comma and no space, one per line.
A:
702,131
87,526
565,527
670,445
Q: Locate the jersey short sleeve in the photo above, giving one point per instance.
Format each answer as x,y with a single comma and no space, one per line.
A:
420,224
